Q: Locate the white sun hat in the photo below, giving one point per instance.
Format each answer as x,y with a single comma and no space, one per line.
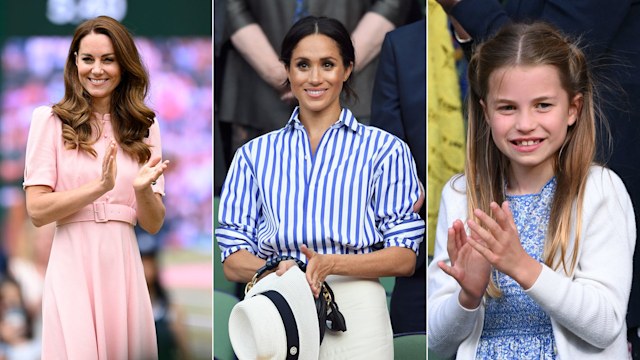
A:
276,320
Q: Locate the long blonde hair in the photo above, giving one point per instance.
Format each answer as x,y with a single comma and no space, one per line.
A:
131,117
486,168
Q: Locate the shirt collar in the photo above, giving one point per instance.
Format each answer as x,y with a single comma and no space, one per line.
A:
346,119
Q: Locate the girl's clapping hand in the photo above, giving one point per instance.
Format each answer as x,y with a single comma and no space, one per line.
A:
470,269
499,244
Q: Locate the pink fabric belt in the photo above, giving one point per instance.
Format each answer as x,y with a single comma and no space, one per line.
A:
102,212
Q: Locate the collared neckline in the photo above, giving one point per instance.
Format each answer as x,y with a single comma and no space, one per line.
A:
102,117
346,118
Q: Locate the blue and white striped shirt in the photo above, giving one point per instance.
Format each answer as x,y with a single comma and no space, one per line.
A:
356,191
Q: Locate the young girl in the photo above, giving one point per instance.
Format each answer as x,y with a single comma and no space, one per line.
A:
536,260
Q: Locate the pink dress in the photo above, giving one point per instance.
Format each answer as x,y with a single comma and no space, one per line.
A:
95,304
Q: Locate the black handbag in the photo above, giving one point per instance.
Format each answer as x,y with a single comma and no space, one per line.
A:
329,315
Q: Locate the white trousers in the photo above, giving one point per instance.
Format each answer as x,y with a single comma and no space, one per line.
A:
363,302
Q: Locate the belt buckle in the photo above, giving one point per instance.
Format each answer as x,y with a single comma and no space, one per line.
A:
100,212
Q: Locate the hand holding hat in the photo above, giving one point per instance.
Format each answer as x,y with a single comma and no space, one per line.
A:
318,268
277,319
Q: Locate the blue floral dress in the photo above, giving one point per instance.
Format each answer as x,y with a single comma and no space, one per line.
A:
515,326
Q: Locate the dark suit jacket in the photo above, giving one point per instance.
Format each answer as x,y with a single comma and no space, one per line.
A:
610,34
399,107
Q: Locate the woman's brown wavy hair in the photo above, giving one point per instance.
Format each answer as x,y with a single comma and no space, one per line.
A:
130,117
486,167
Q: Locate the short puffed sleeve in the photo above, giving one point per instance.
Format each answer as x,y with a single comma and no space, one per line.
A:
42,144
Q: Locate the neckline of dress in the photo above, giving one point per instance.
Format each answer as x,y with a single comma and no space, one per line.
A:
102,117
548,185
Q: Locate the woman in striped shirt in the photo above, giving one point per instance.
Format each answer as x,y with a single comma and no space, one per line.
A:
326,190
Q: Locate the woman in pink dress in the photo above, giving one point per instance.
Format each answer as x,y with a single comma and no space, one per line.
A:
93,166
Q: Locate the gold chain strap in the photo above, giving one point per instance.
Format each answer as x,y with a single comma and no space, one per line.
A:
250,284
327,295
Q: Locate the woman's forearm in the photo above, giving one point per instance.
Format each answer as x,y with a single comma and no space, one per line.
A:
150,210
391,261
241,266
255,48
368,37
45,206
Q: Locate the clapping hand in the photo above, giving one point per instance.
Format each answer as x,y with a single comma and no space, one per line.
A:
468,267
109,166
499,243
149,173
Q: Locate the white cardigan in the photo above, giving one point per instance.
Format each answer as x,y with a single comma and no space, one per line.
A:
587,309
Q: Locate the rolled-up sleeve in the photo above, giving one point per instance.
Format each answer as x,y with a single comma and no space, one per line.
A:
397,189
239,208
